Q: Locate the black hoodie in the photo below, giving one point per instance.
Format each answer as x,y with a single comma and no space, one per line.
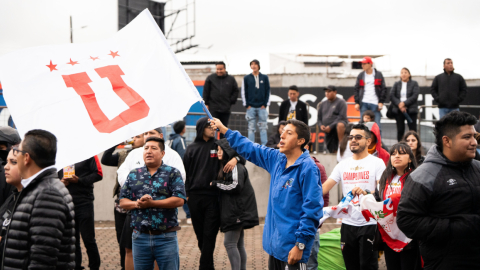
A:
440,207
201,163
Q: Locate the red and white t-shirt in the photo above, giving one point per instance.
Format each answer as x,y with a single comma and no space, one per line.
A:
362,173
395,187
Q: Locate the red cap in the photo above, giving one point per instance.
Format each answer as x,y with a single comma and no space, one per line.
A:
366,59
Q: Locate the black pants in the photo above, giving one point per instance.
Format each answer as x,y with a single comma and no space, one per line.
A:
407,259
401,124
224,117
119,222
85,226
358,250
331,139
205,214
275,264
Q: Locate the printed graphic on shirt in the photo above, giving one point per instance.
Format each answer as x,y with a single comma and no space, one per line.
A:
291,115
213,153
288,183
362,173
395,187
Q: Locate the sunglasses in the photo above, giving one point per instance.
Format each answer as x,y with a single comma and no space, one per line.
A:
16,151
357,137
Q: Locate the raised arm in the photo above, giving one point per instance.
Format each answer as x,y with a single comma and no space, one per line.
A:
110,159
259,155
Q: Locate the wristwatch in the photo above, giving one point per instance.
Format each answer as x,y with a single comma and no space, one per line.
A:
368,191
300,246
238,159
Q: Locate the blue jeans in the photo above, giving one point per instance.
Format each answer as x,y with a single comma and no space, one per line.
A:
374,108
313,260
150,248
251,117
444,111
187,210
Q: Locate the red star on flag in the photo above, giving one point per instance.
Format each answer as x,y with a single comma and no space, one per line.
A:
113,54
72,62
94,58
52,67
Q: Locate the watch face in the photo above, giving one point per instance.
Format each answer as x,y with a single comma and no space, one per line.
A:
301,246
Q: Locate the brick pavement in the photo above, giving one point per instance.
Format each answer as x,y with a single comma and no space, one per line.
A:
189,252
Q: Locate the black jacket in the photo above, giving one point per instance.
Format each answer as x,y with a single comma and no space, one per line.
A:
42,231
380,88
300,111
238,206
220,93
412,96
440,207
88,171
448,90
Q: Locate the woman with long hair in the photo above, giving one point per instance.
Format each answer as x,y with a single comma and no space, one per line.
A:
344,145
401,163
404,95
412,139
238,207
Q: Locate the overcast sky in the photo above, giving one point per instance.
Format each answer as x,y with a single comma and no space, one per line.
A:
415,34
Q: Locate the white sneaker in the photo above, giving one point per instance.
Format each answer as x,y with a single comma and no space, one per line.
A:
189,221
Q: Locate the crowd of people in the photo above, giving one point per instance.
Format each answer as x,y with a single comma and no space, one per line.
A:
44,213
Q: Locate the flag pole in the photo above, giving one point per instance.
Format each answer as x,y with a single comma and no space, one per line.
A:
206,109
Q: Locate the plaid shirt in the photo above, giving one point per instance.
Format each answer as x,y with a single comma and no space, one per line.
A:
166,182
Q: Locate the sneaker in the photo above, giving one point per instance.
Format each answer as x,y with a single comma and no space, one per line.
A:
189,221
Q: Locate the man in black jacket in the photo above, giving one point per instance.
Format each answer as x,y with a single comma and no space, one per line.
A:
220,92
41,233
8,137
440,205
448,89
293,108
370,90
80,186
201,166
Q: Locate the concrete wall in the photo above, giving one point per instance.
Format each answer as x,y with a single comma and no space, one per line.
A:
259,177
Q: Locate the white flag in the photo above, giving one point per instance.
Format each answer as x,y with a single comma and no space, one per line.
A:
95,95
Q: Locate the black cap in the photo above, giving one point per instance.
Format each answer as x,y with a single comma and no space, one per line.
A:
331,88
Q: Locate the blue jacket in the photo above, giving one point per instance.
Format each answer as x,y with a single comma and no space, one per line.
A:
295,201
177,143
253,96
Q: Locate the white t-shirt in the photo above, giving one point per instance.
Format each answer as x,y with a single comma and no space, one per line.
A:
291,112
369,95
403,92
395,187
362,173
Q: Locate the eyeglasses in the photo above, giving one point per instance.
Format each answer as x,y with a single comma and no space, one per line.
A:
357,137
16,150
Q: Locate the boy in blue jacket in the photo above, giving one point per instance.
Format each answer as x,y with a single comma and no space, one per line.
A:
295,201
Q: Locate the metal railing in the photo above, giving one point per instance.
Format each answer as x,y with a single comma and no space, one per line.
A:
421,107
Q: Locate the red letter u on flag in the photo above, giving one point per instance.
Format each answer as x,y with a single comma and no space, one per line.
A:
137,110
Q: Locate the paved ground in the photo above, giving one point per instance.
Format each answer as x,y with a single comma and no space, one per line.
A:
189,253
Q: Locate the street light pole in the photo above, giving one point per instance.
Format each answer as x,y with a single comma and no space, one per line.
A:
71,30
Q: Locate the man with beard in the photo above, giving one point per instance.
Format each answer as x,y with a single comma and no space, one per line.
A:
8,137
357,173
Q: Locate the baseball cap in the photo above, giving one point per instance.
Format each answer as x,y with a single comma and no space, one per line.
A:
366,59
331,88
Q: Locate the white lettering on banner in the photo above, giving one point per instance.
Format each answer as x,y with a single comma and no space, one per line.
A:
430,112
312,111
